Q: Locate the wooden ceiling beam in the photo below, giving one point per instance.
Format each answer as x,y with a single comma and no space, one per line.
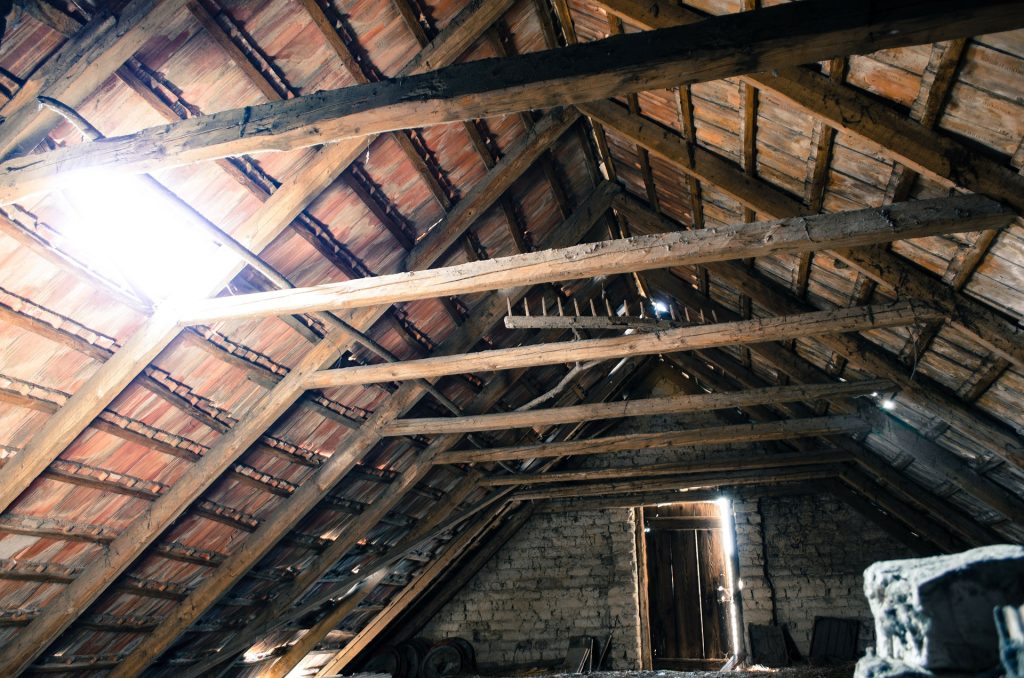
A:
914,145
714,462
632,408
866,356
277,213
774,38
376,570
1000,334
668,341
925,452
860,353
947,464
996,332
80,66
695,481
454,550
284,612
822,148
738,433
859,227
966,527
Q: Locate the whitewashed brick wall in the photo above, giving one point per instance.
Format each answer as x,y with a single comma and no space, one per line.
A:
568,574
562,575
817,551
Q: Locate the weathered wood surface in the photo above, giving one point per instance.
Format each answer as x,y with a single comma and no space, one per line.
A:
81,65
640,253
778,430
278,522
853,319
85,405
688,482
643,407
716,48
915,145
998,333
872,359
453,551
723,462
274,216
589,322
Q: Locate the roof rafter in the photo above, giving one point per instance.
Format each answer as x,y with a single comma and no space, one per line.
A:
486,314
93,396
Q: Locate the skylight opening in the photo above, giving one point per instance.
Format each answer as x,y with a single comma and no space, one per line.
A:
131,233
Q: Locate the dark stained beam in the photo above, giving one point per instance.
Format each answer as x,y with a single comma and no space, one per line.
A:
773,38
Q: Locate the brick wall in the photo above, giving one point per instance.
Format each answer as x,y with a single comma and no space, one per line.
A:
817,551
562,575
569,574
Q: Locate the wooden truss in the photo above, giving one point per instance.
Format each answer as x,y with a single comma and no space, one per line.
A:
680,47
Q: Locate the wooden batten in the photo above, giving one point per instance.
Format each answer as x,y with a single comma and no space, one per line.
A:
633,408
353,450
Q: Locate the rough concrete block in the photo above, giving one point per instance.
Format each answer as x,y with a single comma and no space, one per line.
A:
936,613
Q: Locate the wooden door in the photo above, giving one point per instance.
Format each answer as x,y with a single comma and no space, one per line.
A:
686,573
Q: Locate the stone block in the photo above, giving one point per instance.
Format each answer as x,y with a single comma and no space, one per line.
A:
935,614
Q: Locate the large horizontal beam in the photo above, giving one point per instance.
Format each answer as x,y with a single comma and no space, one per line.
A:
694,481
719,47
725,462
855,319
684,248
279,521
644,407
276,213
79,67
737,433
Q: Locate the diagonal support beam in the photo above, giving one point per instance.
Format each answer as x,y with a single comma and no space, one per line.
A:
277,213
277,523
719,47
80,66
914,145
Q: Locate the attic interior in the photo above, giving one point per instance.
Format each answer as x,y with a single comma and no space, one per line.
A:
331,327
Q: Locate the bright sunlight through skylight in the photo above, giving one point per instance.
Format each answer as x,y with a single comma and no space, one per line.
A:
141,239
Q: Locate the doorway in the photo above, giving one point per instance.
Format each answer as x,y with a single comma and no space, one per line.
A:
687,569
